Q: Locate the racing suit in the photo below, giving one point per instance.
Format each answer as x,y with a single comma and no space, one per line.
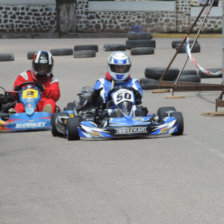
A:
50,95
107,84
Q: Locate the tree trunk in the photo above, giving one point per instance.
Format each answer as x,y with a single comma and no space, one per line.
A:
66,14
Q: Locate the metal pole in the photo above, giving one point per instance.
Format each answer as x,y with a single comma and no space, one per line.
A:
184,40
198,33
223,38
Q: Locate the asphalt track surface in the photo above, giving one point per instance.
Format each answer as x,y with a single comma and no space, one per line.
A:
163,180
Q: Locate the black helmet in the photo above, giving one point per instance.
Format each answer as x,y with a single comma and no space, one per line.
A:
42,65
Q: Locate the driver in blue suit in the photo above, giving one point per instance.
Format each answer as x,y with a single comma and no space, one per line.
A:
118,75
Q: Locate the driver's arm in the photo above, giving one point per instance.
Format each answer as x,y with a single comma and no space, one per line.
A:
52,91
139,92
19,80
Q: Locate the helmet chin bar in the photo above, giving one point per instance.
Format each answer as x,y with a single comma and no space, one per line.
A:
42,78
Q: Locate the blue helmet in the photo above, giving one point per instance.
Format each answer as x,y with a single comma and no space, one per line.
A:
119,65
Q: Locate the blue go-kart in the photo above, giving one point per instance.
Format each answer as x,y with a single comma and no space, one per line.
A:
121,118
29,94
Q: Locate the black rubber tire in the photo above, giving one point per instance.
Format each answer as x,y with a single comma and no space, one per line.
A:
195,49
164,112
53,125
140,43
30,55
205,76
86,47
54,130
142,50
84,54
178,42
61,52
114,47
139,36
72,129
6,57
189,72
180,122
147,84
156,73
190,78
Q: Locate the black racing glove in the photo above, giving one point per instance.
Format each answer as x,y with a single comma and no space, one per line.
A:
138,97
96,98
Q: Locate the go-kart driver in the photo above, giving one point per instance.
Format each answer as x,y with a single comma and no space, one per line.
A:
118,75
41,72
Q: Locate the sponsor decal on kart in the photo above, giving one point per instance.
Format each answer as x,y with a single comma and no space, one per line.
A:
131,130
96,134
164,130
31,125
30,93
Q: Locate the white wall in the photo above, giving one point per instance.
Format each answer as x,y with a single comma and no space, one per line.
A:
215,11
132,6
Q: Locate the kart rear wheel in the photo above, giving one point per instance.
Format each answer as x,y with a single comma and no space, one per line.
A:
164,112
180,122
73,129
54,130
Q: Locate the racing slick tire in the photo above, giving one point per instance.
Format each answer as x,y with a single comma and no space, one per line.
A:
86,47
139,36
157,72
54,130
189,72
180,122
195,49
73,129
142,50
140,43
84,54
190,78
176,42
61,52
165,111
149,83
114,47
6,57
30,54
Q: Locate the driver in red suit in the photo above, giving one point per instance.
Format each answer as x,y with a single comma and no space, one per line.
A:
41,72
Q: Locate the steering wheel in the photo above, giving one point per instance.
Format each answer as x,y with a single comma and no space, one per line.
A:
136,92
38,85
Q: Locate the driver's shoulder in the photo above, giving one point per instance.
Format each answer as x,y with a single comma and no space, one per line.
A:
103,81
25,75
131,81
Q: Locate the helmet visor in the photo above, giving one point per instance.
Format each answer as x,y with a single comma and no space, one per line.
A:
42,69
120,68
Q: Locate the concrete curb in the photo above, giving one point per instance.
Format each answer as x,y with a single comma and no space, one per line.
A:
96,35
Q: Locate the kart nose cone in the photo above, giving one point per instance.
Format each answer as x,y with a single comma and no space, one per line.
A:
30,110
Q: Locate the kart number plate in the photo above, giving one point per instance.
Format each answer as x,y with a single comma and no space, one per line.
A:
131,130
30,93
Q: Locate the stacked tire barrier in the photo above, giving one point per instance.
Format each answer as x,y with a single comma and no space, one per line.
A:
85,51
153,74
140,43
176,45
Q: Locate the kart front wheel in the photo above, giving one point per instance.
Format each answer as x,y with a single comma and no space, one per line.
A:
73,128
165,112
54,130
179,121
